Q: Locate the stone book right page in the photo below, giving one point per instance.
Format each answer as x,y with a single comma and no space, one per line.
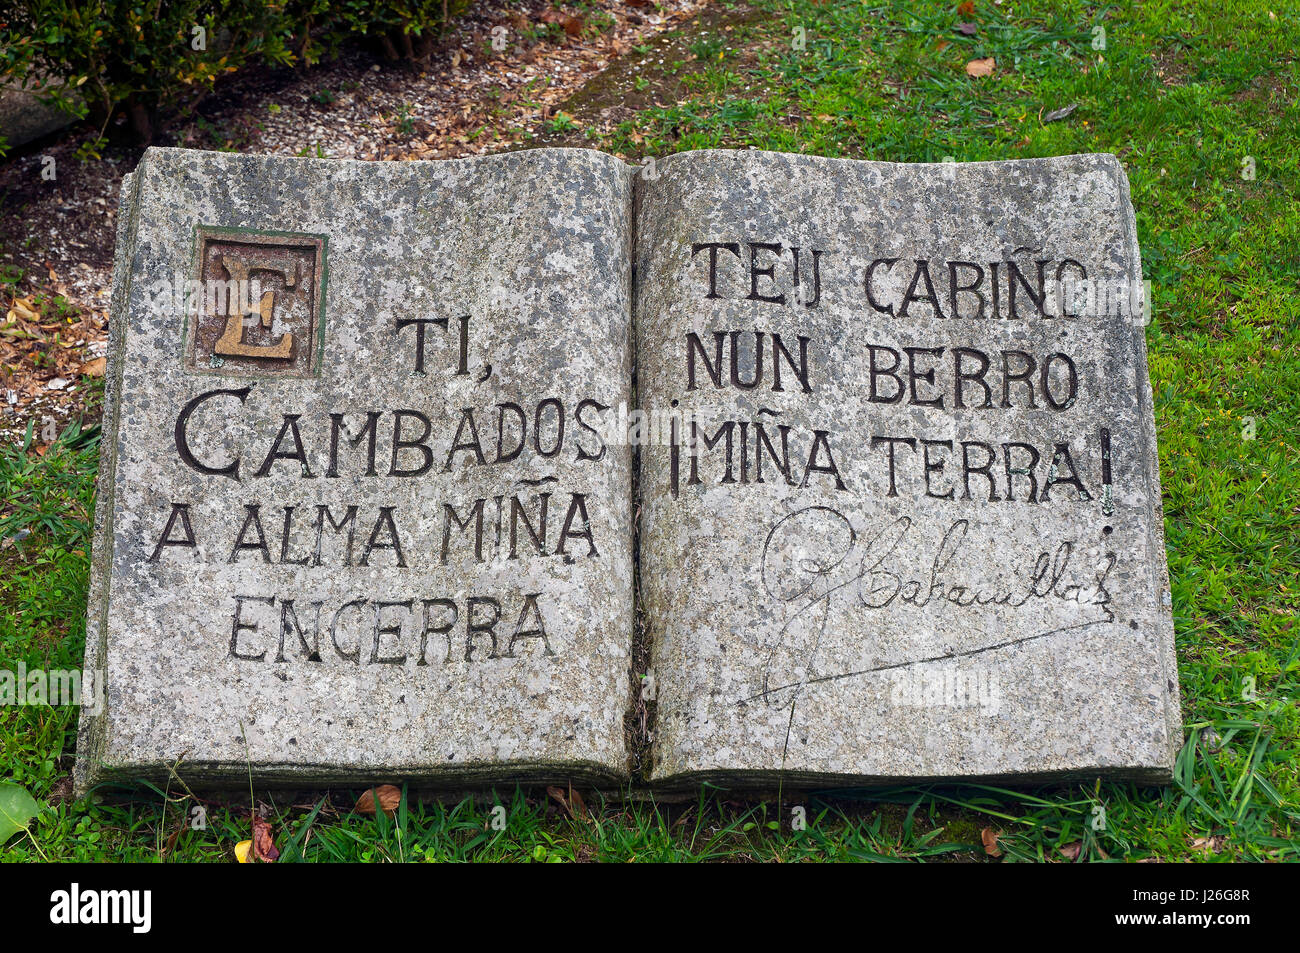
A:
900,501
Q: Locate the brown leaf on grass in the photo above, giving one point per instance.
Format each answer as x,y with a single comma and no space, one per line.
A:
94,367
172,838
990,839
572,805
1071,851
966,8
388,795
982,67
264,848
557,794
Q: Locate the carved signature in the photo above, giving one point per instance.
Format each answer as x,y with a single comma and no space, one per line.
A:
812,557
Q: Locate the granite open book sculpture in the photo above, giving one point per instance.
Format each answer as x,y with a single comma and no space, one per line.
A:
398,458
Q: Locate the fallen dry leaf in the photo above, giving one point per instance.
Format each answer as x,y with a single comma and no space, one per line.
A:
94,368
571,25
967,29
23,308
966,8
172,838
244,852
389,797
264,848
982,67
557,794
990,838
1071,851
572,805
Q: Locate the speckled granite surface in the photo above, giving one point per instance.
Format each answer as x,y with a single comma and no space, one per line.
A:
920,535
899,500
497,638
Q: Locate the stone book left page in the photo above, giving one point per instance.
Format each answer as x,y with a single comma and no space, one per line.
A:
360,512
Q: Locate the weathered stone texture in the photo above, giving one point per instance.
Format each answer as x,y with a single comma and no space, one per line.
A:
815,626
534,248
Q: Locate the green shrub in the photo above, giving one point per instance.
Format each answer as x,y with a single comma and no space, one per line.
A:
404,29
96,58
143,58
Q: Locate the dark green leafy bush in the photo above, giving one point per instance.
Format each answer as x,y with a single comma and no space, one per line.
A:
405,29
96,58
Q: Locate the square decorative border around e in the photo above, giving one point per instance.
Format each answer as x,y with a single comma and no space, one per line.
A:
258,306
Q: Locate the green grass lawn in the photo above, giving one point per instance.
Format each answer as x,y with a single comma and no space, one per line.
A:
1200,101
